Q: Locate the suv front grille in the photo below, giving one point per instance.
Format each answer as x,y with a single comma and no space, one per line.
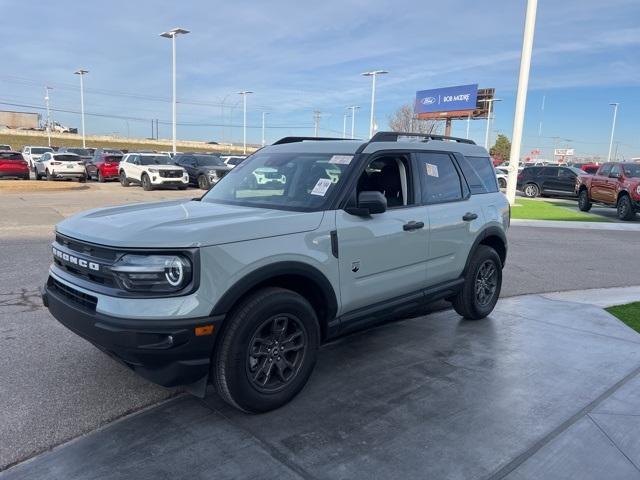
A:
93,256
171,173
83,300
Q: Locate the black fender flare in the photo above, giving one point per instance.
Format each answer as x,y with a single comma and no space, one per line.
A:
274,270
492,231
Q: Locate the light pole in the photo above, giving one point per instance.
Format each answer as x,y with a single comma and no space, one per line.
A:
46,101
172,35
81,72
373,74
344,124
489,113
613,128
244,94
521,98
263,115
353,109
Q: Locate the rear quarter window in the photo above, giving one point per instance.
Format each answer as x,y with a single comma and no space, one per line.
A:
480,174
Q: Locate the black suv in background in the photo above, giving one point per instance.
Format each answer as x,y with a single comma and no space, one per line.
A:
548,181
205,170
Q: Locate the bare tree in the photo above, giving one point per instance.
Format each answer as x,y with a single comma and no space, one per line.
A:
404,120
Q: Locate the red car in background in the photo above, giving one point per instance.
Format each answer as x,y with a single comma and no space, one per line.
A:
12,164
104,166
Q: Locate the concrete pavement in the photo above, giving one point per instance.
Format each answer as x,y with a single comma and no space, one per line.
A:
541,389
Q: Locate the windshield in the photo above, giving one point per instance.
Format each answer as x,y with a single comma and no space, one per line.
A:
40,150
155,160
209,160
234,161
631,170
66,158
290,181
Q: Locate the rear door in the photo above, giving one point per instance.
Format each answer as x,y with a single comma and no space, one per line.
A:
566,181
453,217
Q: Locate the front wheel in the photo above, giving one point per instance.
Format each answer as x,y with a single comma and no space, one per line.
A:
48,175
146,183
124,181
584,204
82,179
531,190
482,284
502,183
267,351
625,208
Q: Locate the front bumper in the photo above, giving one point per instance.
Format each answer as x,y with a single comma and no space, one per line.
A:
180,181
165,351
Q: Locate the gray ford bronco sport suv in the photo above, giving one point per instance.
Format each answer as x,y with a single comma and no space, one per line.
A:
240,287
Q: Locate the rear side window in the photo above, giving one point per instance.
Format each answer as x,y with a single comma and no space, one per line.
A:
480,174
439,178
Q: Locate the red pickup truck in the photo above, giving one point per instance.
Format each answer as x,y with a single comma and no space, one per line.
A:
616,184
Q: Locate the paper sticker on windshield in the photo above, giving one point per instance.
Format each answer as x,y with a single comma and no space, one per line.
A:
321,187
432,170
341,159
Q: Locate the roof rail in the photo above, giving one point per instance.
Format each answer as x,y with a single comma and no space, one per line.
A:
303,139
393,137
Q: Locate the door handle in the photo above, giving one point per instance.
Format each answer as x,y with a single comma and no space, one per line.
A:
469,216
412,225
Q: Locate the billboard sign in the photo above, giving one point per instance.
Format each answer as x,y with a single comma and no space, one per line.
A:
449,99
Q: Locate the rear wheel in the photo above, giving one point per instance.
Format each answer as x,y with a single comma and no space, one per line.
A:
267,350
123,179
502,183
584,204
146,182
531,190
482,284
203,182
625,208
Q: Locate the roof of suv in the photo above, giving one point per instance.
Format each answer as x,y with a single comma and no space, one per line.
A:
351,146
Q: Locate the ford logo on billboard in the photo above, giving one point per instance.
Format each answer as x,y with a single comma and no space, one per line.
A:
428,100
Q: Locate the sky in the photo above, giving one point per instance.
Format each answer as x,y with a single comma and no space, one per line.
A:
300,57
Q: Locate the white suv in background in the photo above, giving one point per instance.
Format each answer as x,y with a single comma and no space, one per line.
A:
152,170
32,154
54,165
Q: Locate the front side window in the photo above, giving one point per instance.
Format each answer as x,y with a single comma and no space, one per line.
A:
615,170
439,178
605,169
293,181
389,175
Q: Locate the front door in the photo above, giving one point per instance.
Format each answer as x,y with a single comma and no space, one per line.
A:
383,256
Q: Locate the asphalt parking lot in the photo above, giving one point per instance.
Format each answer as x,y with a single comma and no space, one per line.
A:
62,387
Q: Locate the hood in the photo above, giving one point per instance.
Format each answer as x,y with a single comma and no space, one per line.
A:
183,223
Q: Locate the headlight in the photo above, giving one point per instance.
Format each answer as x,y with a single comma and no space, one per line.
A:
638,190
153,170
153,273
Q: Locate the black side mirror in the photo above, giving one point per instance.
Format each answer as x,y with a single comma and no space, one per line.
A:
369,203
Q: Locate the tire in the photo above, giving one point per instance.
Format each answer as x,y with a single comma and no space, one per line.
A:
100,177
203,183
531,190
82,179
584,204
502,183
146,182
252,327
37,175
26,177
182,187
469,303
48,175
625,208
123,179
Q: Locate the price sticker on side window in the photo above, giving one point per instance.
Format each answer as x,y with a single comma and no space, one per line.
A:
432,170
